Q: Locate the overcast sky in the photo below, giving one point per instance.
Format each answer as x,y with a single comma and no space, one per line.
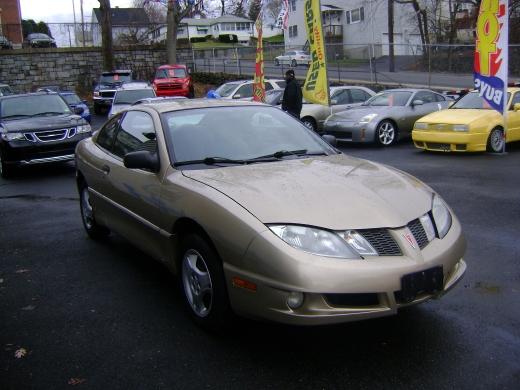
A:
55,11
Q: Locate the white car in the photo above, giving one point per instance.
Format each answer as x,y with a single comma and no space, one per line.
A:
293,58
128,94
243,89
341,98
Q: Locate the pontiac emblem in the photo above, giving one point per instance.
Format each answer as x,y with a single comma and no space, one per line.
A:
410,239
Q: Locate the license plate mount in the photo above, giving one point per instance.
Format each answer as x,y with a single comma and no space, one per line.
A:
429,281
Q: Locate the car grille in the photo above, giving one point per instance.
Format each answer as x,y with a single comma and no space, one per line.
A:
167,86
107,94
340,134
381,241
418,232
438,146
50,135
352,300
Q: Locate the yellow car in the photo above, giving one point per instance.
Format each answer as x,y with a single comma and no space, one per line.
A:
469,125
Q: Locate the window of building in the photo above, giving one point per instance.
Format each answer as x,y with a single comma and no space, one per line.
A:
355,15
293,31
293,5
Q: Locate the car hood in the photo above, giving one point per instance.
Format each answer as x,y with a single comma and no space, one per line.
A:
356,113
170,80
459,116
334,192
42,123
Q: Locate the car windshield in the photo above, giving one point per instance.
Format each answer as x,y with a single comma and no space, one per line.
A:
35,105
71,98
170,73
281,84
226,89
115,78
389,99
472,100
38,36
131,96
238,133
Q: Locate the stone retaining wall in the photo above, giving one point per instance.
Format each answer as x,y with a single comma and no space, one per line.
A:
75,68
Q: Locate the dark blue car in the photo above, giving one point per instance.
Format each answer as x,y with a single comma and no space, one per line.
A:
74,101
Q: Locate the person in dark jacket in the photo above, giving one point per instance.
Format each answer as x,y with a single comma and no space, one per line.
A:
292,95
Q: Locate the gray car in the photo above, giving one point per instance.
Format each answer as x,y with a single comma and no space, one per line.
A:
386,117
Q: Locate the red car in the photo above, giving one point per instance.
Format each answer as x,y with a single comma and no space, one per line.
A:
173,80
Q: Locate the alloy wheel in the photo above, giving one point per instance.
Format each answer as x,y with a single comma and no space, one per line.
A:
496,141
196,281
86,208
386,133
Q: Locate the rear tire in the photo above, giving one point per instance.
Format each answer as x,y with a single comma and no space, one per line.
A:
309,123
93,229
276,62
97,109
203,284
495,142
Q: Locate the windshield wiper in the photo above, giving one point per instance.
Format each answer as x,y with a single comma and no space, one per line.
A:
211,161
283,153
16,116
48,113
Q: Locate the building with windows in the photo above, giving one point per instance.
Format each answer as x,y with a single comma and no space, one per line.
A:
129,26
199,28
359,28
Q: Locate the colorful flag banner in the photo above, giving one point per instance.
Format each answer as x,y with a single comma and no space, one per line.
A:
316,87
491,53
258,85
283,17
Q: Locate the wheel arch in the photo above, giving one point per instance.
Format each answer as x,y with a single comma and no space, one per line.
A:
308,116
389,119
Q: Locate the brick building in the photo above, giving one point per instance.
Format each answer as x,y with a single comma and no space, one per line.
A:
11,21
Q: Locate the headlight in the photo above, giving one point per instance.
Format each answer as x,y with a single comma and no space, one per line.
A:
84,129
421,125
441,216
367,118
96,93
315,241
13,136
460,128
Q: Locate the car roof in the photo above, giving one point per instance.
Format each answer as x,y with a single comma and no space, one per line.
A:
186,104
117,71
28,94
175,66
134,85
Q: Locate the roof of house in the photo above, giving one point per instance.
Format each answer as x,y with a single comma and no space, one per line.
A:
212,21
125,16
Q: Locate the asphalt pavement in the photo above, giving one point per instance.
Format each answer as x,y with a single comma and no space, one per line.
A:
102,315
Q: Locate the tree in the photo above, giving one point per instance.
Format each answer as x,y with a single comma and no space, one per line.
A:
106,34
255,7
29,26
176,11
391,63
272,9
156,11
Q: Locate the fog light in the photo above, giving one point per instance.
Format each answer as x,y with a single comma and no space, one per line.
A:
295,300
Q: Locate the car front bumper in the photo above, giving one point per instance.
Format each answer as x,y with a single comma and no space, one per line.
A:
337,290
450,141
350,131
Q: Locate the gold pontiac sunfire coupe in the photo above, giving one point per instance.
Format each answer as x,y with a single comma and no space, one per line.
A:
261,217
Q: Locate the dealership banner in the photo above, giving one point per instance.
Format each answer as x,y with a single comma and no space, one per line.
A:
316,87
491,53
258,84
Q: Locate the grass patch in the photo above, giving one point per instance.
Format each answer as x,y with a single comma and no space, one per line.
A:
211,45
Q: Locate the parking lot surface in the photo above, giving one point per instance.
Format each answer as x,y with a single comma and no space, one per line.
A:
102,315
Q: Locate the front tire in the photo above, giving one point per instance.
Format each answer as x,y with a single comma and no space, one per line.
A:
276,62
203,284
309,123
294,64
495,142
386,133
97,109
92,228
6,171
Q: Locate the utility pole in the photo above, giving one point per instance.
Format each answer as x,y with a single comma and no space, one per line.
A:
74,16
106,34
391,64
171,32
83,21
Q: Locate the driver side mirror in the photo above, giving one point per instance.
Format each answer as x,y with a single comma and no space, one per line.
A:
237,96
142,159
516,107
417,103
334,102
330,139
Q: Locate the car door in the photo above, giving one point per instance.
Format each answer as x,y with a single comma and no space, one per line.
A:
513,120
135,193
244,92
341,100
416,112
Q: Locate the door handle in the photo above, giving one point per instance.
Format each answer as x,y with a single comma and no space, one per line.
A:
105,169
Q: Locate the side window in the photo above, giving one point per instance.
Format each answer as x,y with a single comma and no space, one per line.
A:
136,132
440,98
516,100
341,97
426,97
106,135
358,95
268,86
245,91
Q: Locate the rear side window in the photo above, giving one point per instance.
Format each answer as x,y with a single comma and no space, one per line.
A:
137,132
358,95
106,135
245,91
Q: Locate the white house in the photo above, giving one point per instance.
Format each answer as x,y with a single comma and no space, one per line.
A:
193,27
360,25
129,26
